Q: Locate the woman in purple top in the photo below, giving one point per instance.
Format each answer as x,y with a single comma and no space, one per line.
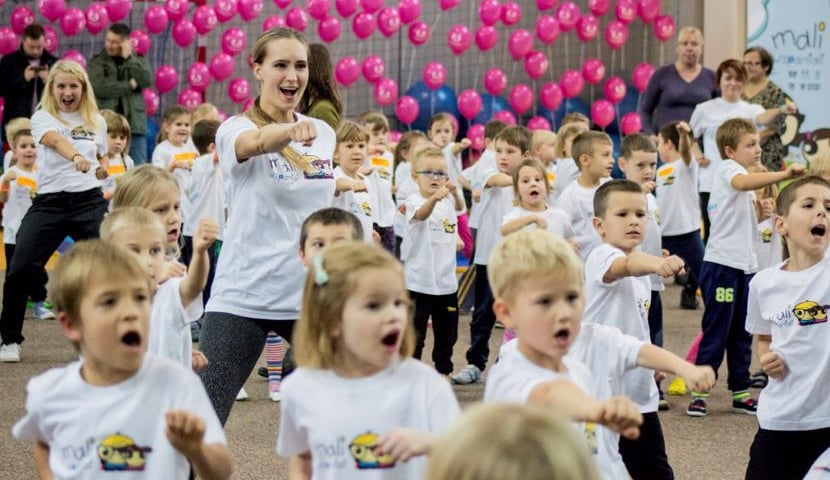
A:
674,90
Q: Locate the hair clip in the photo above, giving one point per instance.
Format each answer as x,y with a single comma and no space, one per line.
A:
320,276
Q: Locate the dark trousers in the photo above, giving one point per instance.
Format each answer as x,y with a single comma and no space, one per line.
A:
388,239
725,298
645,458
689,247
444,312
483,320
213,256
704,213
785,455
38,290
655,319
51,218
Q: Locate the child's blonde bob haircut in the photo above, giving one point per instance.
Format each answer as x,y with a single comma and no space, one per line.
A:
138,187
321,315
535,164
428,152
531,255
510,441
135,217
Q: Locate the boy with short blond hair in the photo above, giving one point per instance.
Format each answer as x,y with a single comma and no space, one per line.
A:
381,160
543,147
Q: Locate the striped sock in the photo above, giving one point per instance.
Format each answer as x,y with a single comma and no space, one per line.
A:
740,395
703,395
274,353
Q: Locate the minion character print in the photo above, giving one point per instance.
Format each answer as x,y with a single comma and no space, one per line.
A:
363,449
766,235
448,226
810,313
367,209
119,453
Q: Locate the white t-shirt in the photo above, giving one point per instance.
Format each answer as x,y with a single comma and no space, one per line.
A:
117,166
259,272
340,428
652,243
166,153
624,304
705,120
475,175
454,165
206,195
7,160
566,173
429,265
793,308
385,207
92,431
768,245
21,192
821,468
733,222
558,221
677,198
57,174
495,203
578,202
403,176
170,323
359,203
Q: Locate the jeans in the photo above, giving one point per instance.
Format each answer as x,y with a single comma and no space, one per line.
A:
138,149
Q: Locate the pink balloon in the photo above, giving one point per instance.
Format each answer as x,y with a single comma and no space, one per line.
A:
614,89
226,9
448,4
51,9
176,9
248,104
434,75
602,112
249,9
519,43
406,109
329,29
96,18
297,19
551,96
221,66
198,76
538,123
631,123
486,38
274,21
189,99
184,32
363,25
505,116
593,70
373,68
626,10
394,136
389,21
567,15
547,29
664,27
616,34
459,39
140,41
469,104
520,98
476,135
543,5
239,90
571,83
50,39
345,7
599,7
385,91
418,33
489,12
318,9
495,81
347,71
371,6
536,64
74,56
151,99
409,10
641,75
587,28
73,21
21,16
511,13
166,78
282,3
8,41
118,10
155,19
648,11
204,19
233,41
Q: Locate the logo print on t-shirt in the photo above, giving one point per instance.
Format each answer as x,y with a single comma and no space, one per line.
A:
809,312
81,133
363,449
119,453
317,168
448,227
766,235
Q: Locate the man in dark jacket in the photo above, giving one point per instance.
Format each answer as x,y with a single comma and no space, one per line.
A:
23,75
119,77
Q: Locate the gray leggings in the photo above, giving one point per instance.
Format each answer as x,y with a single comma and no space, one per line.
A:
232,345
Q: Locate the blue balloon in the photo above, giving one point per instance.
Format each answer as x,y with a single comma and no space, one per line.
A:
490,106
630,101
431,102
569,105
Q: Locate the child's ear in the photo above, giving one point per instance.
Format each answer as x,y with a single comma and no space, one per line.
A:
621,162
211,148
502,311
729,151
70,329
597,221
583,160
526,154
778,222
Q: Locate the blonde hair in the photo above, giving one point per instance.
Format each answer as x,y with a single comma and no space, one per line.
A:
730,132
351,132
408,139
374,121
117,125
139,186
686,31
203,112
586,142
14,125
819,166
538,137
530,253
535,164
342,265
565,133
87,107
131,217
429,152
510,442
171,113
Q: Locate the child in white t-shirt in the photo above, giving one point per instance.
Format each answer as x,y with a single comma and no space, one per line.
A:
432,221
532,192
118,143
768,244
787,313
404,185
355,192
381,409
12,127
543,148
566,167
174,152
380,163
473,174
117,410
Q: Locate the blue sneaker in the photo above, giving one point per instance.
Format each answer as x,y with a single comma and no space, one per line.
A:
41,312
469,374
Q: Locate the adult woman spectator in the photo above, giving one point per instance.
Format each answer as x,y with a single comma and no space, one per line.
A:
760,90
321,99
675,89
72,136
278,168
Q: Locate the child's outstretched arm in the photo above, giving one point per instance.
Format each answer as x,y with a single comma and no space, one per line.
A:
5,184
637,264
499,180
514,226
754,181
41,455
405,443
461,145
771,362
700,378
194,282
186,431
685,147
299,467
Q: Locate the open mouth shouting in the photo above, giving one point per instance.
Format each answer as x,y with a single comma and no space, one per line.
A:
390,340
289,93
132,339
819,231
562,337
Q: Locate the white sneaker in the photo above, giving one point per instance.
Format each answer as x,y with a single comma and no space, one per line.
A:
10,353
275,396
242,395
41,312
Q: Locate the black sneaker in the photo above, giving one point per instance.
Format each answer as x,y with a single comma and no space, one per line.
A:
688,299
759,380
697,408
747,406
262,372
681,280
